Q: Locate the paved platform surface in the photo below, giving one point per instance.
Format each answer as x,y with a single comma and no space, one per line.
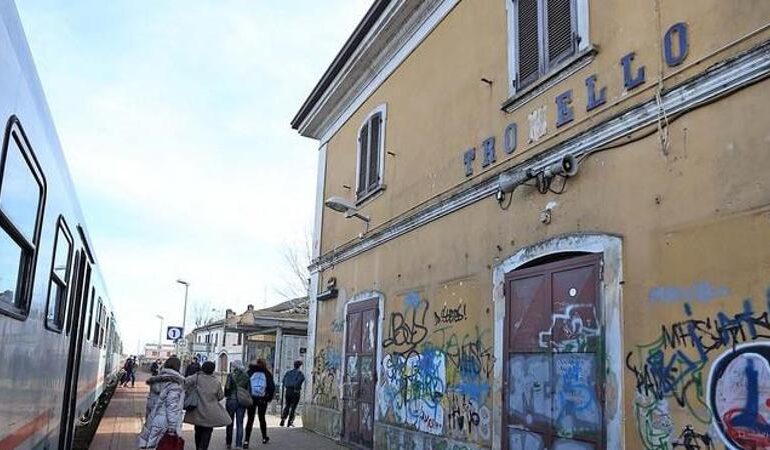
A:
124,417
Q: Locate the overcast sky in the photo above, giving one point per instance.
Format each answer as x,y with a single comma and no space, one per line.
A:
174,119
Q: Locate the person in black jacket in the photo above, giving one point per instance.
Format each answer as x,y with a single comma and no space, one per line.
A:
262,395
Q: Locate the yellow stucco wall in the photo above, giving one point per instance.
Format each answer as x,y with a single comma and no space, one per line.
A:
694,221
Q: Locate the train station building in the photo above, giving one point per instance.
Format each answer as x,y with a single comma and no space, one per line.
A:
543,225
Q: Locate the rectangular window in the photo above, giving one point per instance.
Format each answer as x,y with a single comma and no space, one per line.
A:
97,322
60,275
543,35
22,196
224,339
370,149
239,339
90,322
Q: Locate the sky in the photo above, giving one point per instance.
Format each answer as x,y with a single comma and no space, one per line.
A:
174,119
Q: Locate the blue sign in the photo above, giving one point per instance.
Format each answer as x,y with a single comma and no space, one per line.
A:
174,333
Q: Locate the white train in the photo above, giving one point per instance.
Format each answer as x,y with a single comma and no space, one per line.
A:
58,337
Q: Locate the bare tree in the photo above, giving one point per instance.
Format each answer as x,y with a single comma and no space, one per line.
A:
203,313
296,279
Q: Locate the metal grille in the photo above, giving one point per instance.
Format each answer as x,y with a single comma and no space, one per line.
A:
560,33
529,47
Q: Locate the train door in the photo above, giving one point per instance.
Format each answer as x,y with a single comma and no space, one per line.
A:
360,373
76,329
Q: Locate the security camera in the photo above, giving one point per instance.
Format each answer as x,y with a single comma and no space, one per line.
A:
566,167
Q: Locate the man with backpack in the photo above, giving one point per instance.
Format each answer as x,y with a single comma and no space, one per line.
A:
292,385
262,392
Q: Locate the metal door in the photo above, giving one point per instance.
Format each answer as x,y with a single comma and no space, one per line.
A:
75,329
360,373
553,367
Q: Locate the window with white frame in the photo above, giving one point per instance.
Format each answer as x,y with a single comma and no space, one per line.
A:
371,143
544,34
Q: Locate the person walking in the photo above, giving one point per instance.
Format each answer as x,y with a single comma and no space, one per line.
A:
154,367
163,413
292,388
128,373
262,392
238,393
209,413
192,368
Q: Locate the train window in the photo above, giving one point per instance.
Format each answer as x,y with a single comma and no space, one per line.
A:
90,321
60,273
22,195
98,321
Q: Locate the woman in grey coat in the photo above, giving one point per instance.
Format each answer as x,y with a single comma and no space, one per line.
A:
209,413
164,404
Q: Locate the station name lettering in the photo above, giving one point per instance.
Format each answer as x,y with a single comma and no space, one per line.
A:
675,48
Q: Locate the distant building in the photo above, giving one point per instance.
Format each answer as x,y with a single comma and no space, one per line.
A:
152,352
277,334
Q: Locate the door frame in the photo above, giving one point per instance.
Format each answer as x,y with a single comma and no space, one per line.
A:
610,306
363,296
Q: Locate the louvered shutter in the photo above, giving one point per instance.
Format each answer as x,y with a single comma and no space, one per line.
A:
363,162
528,42
374,151
561,42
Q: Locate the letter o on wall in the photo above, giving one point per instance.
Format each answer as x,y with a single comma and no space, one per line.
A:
509,138
680,30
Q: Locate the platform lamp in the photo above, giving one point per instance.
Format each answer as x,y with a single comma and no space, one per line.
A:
184,313
343,206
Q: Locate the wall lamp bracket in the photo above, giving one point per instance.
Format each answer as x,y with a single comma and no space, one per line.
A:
343,206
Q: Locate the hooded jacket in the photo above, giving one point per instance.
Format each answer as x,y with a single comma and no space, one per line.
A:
164,409
209,413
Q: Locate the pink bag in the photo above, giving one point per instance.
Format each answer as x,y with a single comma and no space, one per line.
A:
170,441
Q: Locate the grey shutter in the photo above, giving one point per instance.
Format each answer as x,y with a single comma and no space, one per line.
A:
528,42
375,126
363,162
561,42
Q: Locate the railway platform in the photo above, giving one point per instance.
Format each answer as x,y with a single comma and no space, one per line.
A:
122,422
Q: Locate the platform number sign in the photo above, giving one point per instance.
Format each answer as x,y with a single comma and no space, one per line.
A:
174,333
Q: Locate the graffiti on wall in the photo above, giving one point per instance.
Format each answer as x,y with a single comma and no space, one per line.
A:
326,366
437,366
716,370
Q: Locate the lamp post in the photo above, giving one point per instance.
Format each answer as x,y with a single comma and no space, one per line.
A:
184,314
160,333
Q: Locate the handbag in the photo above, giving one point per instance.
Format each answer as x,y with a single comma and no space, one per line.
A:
191,400
242,395
170,441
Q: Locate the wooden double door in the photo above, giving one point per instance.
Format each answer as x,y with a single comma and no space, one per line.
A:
360,373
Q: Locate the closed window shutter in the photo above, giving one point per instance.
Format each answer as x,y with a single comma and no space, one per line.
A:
363,162
528,41
561,43
374,151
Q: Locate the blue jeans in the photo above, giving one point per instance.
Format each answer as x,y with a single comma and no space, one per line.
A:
234,409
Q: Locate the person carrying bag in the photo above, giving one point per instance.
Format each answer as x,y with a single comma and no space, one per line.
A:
238,393
163,417
207,413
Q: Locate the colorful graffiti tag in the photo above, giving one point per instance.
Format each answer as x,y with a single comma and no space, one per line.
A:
326,366
732,401
436,370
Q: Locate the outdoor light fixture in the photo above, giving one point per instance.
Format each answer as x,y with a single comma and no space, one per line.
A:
341,205
507,182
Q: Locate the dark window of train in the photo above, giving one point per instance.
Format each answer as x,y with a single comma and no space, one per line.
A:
90,322
22,196
98,319
60,275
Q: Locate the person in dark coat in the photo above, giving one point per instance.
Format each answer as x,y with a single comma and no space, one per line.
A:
192,368
155,367
130,368
292,385
238,378
258,374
